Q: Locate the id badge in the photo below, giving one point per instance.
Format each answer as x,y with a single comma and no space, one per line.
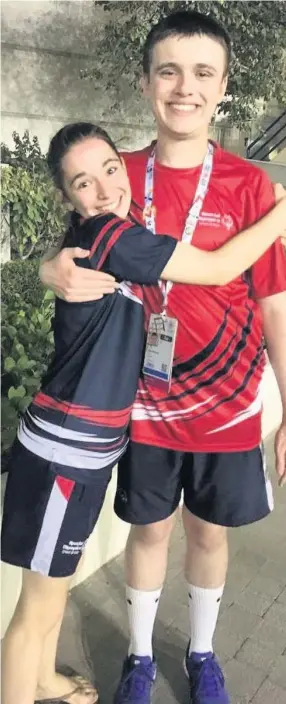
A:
159,352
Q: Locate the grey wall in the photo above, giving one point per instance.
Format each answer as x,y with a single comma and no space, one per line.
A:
276,171
45,44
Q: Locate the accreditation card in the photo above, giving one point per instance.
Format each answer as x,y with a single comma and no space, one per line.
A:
159,352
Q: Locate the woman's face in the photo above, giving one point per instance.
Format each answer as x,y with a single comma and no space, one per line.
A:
95,179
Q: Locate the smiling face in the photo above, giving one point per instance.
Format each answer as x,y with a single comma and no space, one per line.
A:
186,82
94,179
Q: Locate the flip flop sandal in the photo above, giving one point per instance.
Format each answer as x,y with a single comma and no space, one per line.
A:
82,686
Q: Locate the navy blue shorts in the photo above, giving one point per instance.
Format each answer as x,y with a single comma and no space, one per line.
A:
225,488
47,518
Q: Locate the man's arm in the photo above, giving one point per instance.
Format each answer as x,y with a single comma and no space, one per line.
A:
273,309
74,284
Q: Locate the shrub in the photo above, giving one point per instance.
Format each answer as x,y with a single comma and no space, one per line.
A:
27,345
22,277
36,220
36,217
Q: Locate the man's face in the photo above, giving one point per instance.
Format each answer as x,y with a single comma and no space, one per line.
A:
186,83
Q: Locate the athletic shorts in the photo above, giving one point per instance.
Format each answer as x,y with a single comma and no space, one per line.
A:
225,488
46,517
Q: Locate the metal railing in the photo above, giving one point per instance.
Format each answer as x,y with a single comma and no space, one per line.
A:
270,139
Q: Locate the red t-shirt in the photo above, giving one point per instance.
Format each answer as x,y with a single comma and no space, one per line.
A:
214,403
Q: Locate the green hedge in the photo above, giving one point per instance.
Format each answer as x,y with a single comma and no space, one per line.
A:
22,277
36,215
27,341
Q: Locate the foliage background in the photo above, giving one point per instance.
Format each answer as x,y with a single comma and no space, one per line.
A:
27,345
257,30
36,219
28,199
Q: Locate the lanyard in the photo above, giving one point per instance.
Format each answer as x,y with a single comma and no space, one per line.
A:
194,211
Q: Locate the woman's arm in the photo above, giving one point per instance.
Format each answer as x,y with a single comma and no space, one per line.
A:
190,265
187,264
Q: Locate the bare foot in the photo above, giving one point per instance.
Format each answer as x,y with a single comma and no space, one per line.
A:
72,690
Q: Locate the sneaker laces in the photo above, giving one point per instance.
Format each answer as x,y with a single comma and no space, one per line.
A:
209,678
135,683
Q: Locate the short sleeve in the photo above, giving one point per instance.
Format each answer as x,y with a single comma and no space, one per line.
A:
268,274
139,256
129,251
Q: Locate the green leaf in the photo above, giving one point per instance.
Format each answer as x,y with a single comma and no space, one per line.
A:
24,403
32,383
9,364
38,373
8,412
46,326
23,362
11,330
49,296
15,393
31,364
20,349
8,435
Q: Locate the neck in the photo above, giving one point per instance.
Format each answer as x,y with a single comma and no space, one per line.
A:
182,153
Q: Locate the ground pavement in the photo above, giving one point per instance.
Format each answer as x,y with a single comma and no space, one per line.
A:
251,634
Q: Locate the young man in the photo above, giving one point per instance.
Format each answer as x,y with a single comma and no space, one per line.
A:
203,435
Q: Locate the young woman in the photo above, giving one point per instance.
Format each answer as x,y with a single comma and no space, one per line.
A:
75,430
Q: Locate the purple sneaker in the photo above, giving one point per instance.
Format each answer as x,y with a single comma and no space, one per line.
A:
207,684
136,682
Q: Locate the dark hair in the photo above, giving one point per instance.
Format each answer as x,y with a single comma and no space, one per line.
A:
185,24
65,138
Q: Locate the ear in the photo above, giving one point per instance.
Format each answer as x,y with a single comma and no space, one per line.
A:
145,85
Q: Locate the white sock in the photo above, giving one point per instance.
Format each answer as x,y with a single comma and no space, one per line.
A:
203,611
142,608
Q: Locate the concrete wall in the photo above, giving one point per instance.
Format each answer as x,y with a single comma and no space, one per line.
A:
280,158
275,170
45,46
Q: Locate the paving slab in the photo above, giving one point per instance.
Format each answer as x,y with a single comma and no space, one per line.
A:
250,639
277,672
269,693
261,655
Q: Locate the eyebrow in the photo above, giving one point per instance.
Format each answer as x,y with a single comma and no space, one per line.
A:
207,66
112,158
172,64
77,176
83,173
